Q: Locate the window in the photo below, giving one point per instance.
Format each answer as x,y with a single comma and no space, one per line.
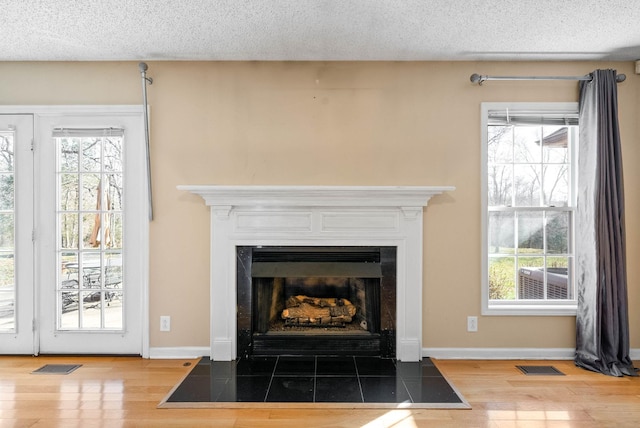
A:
7,242
90,207
528,206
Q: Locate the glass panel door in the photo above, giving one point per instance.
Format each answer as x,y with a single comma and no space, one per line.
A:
90,192
16,228
93,182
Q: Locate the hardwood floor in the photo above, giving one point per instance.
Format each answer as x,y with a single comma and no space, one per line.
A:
125,392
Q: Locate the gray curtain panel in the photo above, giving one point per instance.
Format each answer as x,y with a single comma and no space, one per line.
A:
602,322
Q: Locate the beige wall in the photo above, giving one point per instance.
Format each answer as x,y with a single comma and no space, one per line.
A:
331,124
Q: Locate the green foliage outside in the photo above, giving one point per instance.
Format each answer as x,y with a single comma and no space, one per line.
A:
502,284
502,272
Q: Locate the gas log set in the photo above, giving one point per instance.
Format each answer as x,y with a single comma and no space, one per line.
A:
319,312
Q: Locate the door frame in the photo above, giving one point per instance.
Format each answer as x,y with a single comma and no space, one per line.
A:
40,111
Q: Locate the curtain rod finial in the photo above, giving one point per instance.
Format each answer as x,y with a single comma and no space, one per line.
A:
143,67
621,77
476,78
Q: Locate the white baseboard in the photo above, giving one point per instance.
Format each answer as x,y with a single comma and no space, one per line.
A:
508,353
441,353
500,353
179,352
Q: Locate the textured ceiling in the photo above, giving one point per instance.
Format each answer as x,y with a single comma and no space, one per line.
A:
70,30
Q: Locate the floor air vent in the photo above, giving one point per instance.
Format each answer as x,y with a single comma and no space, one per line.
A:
62,369
540,370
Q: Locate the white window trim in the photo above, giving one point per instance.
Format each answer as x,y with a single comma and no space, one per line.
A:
509,308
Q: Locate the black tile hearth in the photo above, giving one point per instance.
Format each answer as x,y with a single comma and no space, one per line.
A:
295,366
384,389
253,366
376,366
287,389
335,366
317,379
338,389
430,389
246,389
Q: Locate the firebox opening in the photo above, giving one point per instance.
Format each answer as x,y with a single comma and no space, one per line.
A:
312,305
316,300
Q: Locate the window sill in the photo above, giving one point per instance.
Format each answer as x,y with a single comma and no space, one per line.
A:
525,309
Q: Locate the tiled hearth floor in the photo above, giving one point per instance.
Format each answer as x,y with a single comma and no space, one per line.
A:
316,379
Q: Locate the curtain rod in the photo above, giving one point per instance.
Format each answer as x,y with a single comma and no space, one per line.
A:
476,78
145,79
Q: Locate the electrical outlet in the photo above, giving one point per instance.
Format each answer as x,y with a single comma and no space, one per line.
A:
472,324
165,323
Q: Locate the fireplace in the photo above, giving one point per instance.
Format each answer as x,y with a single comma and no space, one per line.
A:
315,216
316,300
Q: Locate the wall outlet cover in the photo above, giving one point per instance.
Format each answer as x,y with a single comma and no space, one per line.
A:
165,323
472,324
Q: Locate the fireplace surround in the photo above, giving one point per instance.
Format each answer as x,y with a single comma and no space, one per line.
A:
308,216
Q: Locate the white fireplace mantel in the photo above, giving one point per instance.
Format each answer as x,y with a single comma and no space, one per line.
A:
316,215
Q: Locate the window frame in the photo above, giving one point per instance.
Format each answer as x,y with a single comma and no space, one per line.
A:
524,307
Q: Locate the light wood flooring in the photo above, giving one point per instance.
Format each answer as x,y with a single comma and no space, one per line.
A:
125,392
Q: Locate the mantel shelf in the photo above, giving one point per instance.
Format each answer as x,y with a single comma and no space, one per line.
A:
316,196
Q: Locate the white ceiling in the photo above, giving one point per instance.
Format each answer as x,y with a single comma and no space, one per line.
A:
403,30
